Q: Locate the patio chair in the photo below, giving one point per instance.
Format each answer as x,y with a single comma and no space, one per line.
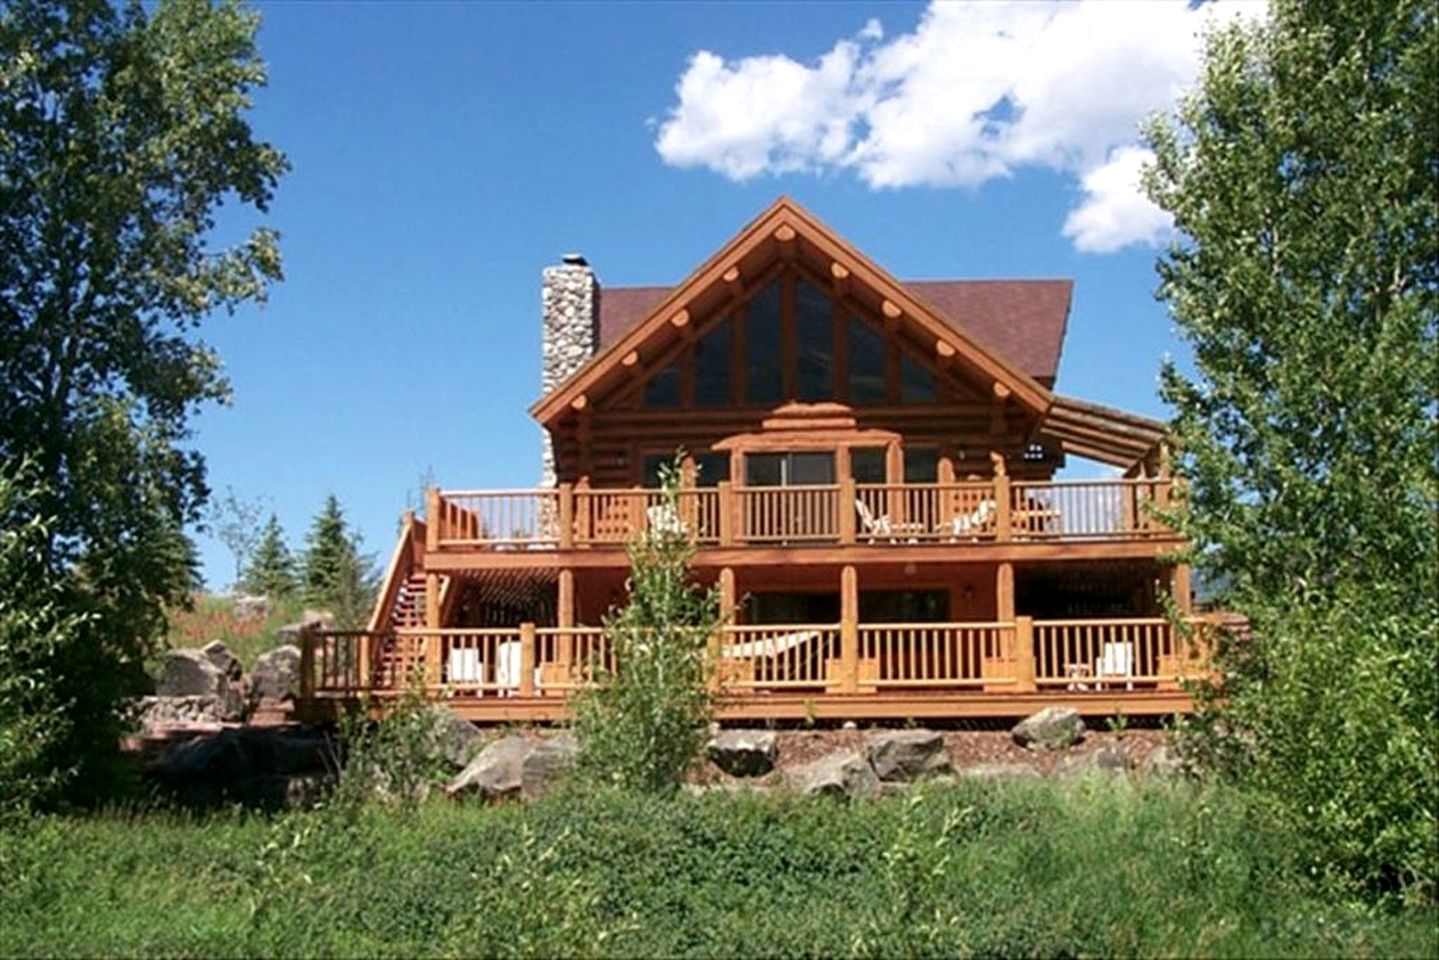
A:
973,523
874,527
1115,660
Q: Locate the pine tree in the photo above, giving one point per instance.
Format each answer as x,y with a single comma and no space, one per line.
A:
337,576
271,571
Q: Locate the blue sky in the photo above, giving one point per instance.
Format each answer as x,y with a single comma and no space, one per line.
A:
443,154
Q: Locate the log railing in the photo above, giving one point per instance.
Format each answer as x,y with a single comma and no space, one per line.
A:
844,513
1021,656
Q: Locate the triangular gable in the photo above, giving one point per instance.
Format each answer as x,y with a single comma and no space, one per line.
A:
777,234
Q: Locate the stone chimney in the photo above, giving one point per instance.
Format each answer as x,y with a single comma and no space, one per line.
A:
570,301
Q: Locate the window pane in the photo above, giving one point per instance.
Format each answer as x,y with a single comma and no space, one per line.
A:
663,389
764,469
810,468
921,465
712,360
916,384
866,465
653,463
711,468
866,363
814,318
764,378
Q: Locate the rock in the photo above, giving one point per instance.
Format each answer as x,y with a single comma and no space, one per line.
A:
515,766
252,765
457,739
1108,759
744,753
249,607
217,653
849,725
1163,761
1000,771
188,674
318,619
906,754
1053,728
846,774
153,712
277,674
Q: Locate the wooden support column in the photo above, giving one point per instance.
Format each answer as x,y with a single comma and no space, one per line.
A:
1004,592
432,623
433,521
565,615
727,616
1004,507
1024,655
846,508
527,659
726,513
849,629
567,516
1180,587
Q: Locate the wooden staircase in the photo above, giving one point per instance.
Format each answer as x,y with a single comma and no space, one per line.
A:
400,605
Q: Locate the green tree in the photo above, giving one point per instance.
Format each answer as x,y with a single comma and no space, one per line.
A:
236,522
122,129
272,569
642,724
1303,177
336,575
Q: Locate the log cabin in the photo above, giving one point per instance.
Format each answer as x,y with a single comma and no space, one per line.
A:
868,472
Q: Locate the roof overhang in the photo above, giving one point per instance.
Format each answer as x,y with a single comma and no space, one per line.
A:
1103,433
786,231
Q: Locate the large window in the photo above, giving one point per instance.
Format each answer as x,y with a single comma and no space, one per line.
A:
789,469
663,389
916,383
921,465
711,468
814,328
867,464
712,366
867,351
764,374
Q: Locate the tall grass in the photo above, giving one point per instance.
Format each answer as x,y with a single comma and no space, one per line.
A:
1091,868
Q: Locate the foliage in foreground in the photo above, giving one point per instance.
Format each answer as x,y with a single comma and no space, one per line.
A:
122,130
1303,176
641,726
1094,868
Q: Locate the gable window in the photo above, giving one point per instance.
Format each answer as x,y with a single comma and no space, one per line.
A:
764,374
663,389
712,366
814,322
867,351
916,382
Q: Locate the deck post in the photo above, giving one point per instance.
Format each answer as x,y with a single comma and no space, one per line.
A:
527,659
849,629
1180,589
567,516
1004,506
726,514
727,616
846,510
432,519
307,663
365,645
432,626
1024,655
565,615
1004,592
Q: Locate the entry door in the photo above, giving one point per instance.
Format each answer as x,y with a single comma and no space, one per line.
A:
790,516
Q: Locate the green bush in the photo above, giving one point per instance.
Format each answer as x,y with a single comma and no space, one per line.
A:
1093,868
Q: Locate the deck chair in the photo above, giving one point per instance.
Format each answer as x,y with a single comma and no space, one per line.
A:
972,523
1115,660
874,527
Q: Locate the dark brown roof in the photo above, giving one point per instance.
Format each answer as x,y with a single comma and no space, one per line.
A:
1022,321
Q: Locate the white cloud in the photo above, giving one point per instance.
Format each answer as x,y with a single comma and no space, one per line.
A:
976,91
1114,213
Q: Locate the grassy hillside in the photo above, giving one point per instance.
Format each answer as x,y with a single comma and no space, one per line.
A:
212,617
1092,868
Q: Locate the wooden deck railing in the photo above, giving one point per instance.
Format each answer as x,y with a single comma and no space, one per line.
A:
843,513
1023,656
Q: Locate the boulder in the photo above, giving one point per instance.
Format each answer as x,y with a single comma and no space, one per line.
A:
1108,759
1000,771
1163,761
515,767
217,653
250,607
190,674
154,712
744,753
906,754
1053,728
844,774
457,739
277,674
252,765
